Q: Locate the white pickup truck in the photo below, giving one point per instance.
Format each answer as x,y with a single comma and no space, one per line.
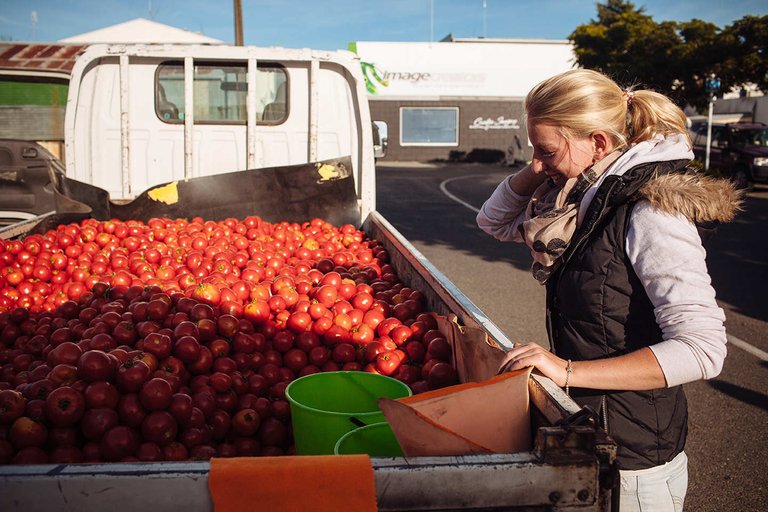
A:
219,131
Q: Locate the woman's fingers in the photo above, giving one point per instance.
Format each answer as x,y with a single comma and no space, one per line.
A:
513,359
531,354
509,357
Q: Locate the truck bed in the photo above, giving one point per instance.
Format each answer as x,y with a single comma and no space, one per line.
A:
569,468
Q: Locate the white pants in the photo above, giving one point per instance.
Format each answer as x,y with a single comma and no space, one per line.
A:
657,489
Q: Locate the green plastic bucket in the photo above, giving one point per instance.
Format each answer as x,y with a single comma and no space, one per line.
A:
376,440
327,405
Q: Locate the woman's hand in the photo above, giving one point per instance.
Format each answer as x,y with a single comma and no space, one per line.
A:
531,354
635,371
527,180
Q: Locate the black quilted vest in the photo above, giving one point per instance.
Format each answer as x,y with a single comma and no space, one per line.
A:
597,308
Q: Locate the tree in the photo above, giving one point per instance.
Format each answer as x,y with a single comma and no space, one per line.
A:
701,54
669,57
749,39
626,44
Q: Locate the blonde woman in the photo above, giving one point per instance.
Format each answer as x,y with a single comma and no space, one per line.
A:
610,211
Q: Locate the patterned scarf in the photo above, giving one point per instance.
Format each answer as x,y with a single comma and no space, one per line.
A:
551,217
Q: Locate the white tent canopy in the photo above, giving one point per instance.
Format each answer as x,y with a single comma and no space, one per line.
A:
141,30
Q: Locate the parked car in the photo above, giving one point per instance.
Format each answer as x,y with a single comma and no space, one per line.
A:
737,150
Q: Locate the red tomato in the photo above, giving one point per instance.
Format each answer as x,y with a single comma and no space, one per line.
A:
12,405
97,421
442,375
246,422
415,351
131,375
326,295
26,432
295,359
400,334
387,363
344,353
155,394
95,365
362,334
372,350
101,394
64,406
439,348
299,322
386,325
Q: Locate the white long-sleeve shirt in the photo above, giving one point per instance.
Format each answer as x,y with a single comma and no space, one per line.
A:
667,255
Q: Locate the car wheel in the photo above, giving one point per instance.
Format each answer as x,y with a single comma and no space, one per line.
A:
741,179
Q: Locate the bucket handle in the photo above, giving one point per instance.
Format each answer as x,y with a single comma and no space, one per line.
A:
354,420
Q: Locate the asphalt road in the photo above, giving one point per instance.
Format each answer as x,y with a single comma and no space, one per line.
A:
434,206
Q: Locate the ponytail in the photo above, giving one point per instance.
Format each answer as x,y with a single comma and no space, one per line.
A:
650,113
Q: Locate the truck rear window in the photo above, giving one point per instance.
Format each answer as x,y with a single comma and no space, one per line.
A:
220,93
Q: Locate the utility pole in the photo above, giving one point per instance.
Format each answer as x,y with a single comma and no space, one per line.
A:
238,23
712,86
33,19
431,20
485,20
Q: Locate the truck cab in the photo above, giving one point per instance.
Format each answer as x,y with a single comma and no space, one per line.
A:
737,150
153,114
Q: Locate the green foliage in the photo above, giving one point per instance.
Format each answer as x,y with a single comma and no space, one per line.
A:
749,37
670,57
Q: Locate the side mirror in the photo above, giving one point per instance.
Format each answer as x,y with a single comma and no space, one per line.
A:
380,150
379,139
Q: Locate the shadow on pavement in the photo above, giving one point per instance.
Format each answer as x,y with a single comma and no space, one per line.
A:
745,395
409,198
737,258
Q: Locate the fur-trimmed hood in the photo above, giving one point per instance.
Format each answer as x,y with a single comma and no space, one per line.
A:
674,189
701,199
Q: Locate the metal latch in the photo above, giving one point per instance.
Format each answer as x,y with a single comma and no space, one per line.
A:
28,152
584,416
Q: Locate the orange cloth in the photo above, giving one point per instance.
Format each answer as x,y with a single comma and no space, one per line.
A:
318,483
492,416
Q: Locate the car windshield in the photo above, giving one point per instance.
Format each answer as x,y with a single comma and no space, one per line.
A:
750,137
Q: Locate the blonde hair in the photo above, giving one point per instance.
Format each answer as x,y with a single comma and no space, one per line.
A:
582,101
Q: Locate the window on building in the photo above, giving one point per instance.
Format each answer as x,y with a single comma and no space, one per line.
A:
429,126
220,93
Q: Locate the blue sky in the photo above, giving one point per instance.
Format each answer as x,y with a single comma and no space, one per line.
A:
331,24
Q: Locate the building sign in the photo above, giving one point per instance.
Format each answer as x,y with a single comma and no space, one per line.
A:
376,79
372,76
399,70
500,123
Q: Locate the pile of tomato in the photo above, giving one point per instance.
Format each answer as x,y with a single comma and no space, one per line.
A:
176,339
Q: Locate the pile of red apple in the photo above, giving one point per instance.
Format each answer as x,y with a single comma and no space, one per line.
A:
176,339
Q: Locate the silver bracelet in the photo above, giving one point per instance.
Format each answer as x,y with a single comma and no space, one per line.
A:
568,372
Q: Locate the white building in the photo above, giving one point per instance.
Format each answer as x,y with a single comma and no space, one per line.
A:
448,99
